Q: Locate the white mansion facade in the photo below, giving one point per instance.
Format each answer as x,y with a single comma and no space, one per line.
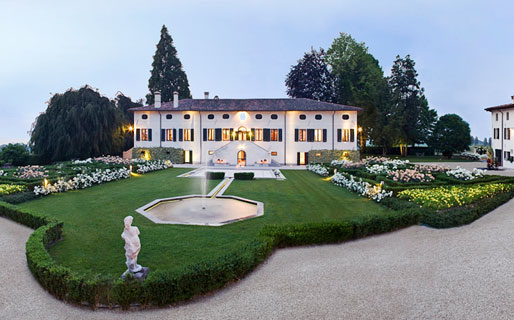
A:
502,126
246,131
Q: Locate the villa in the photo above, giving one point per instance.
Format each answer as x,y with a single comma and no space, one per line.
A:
501,126
244,132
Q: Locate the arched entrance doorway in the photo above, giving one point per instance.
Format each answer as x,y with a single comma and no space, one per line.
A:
241,158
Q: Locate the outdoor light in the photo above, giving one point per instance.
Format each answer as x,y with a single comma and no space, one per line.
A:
45,182
131,128
130,168
360,129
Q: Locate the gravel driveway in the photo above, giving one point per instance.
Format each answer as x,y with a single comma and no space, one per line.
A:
415,273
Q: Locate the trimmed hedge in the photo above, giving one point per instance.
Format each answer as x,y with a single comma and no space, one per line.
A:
333,232
244,175
214,175
459,216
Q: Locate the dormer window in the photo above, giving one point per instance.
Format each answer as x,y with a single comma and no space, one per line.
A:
318,117
187,116
274,117
144,117
169,116
303,117
346,116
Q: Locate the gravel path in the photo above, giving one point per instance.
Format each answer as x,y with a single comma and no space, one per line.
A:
415,273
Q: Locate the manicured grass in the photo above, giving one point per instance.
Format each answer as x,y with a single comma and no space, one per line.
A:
93,218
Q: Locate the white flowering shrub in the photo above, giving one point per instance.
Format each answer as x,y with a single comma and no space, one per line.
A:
377,169
78,162
374,192
145,166
470,155
3,173
464,174
318,169
83,180
410,175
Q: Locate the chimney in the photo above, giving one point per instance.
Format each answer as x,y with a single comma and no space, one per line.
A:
175,99
206,95
157,99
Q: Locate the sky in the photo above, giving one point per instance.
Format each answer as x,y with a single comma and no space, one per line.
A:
464,50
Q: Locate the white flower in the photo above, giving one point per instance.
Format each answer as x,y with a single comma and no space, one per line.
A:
365,189
318,169
464,174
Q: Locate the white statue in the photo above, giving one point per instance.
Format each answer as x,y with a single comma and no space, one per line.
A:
132,245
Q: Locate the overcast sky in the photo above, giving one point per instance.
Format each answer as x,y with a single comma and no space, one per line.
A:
464,50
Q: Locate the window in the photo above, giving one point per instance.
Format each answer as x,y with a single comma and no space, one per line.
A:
242,134
169,116
187,135
303,117
144,117
302,135
274,135
226,116
169,134
187,116
507,115
346,116
496,133
210,134
274,153
344,135
506,133
258,134
144,134
318,135
274,116
226,135
318,117
210,117
507,155
258,116
496,116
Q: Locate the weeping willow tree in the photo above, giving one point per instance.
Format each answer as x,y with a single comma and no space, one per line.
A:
76,125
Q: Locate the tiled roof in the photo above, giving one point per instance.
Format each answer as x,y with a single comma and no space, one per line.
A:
286,104
500,107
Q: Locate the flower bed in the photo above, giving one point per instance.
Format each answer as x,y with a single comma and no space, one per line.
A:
378,169
6,189
366,189
318,169
410,175
81,181
31,172
464,174
447,197
144,166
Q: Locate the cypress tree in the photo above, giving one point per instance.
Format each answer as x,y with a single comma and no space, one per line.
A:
167,74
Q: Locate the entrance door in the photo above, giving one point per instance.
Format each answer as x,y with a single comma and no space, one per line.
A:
498,156
241,158
188,156
302,158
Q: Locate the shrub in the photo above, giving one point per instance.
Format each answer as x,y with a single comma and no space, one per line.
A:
19,197
214,175
459,216
244,175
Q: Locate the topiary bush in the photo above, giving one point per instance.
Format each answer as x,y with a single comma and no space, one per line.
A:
244,175
214,175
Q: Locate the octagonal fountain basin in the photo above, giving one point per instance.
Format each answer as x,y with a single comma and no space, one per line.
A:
198,210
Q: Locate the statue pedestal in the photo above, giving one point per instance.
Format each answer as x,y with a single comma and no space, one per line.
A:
140,275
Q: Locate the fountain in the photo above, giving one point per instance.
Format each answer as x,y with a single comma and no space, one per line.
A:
217,210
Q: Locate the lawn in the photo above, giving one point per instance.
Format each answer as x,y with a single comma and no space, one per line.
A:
93,218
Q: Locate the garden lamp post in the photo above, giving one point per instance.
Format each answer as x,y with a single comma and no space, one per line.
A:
362,141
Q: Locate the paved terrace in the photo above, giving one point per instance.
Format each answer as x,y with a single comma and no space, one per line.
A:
415,273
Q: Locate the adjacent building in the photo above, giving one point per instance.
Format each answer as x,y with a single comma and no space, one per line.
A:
245,131
502,126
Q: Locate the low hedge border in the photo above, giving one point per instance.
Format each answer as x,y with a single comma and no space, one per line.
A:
166,288
244,175
215,175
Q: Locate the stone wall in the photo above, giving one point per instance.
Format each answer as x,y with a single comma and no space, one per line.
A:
175,155
326,156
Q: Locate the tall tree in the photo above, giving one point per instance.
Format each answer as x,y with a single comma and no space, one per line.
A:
123,104
167,75
359,80
311,78
451,134
16,154
410,104
76,125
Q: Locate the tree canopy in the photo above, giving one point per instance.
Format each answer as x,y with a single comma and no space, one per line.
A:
409,104
167,74
451,134
359,79
16,154
311,78
76,125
